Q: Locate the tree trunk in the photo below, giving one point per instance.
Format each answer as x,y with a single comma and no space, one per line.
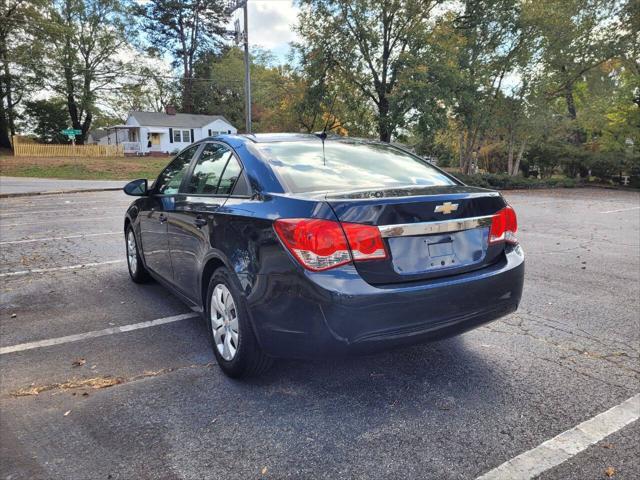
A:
516,166
467,160
510,152
5,141
384,126
7,90
461,159
574,136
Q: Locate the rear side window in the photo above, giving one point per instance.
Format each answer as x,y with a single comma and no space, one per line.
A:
229,177
216,172
169,180
305,166
208,169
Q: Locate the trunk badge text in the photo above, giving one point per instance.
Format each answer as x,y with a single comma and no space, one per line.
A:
446,208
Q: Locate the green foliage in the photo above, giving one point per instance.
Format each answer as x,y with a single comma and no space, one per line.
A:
186,29
47,118
507,182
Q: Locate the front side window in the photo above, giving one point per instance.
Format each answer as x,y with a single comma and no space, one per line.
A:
305,166
170,179
209,169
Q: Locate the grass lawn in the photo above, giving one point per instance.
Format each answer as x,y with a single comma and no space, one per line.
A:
78,168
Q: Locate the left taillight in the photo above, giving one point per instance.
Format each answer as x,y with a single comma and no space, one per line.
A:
504,227
324,244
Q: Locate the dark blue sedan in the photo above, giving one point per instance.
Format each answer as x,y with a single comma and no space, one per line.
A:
301,245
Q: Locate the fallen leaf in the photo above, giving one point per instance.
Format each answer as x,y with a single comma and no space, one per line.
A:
607,445
13,315
97,382
67,413
78,362
610,472
264,470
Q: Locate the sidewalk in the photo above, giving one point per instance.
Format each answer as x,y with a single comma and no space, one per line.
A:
12,186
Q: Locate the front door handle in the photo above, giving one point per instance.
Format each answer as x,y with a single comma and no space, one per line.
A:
162,217
200,222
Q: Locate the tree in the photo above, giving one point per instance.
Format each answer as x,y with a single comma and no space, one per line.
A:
88,44
186,29
18,47
149,89
580,36
487,41
47,118
371,45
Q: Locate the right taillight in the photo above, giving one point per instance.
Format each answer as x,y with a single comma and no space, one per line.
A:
504,226
323,244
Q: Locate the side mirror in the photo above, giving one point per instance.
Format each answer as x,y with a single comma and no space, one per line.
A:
137,188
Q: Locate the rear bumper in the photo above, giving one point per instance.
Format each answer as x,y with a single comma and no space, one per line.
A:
310,314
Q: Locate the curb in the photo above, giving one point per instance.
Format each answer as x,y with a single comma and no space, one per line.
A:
58,192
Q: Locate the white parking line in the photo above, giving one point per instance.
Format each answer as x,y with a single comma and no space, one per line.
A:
561,448
57,269
57,220
622,210
46,239
96,333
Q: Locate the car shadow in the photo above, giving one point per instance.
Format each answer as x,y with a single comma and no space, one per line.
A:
440,376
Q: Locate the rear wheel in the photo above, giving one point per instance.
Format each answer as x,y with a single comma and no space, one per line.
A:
137,270
232,338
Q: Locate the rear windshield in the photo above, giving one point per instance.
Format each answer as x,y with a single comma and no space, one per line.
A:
304,166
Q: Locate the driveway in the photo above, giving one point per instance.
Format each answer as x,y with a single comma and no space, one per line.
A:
104,378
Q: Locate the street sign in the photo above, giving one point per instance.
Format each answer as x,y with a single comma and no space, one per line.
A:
71,132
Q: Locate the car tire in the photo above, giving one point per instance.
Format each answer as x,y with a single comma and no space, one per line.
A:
230,331
137,270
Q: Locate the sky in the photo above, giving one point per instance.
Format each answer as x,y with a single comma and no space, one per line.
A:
270,25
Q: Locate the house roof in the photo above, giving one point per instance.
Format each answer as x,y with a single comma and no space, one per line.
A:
160,119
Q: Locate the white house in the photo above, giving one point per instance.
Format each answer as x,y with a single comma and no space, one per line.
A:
156,132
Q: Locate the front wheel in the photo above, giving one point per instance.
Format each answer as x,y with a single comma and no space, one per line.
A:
232,338
137,270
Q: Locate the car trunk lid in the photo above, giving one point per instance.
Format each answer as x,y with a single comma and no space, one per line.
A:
429,232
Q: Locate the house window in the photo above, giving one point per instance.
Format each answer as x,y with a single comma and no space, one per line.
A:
186,136
176,136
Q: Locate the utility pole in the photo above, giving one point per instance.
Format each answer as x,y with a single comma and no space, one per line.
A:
244,38
247,72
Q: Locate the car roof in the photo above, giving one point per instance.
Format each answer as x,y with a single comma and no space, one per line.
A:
279,137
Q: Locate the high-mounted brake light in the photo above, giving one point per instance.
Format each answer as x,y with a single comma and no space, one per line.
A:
504,227
323,244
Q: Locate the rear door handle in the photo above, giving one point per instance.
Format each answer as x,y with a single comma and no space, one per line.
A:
200,222
162,217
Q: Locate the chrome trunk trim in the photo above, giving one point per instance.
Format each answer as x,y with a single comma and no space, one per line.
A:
429,228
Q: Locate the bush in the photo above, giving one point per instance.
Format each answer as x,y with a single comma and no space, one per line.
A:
506,182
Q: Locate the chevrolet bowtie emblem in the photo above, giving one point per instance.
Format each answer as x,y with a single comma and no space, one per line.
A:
446,208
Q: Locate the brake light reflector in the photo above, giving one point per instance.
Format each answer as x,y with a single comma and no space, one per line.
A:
504,227
324,244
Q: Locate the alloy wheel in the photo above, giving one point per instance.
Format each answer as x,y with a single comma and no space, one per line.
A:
224,322
132,252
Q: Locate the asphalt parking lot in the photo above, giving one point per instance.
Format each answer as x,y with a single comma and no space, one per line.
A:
454,409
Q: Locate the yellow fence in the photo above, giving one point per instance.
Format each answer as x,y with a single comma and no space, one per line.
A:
40,150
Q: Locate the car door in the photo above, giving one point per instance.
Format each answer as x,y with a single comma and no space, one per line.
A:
192,224
159,204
